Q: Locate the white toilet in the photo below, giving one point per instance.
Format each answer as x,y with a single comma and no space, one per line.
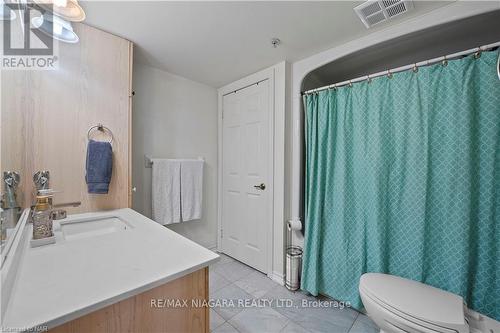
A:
399,305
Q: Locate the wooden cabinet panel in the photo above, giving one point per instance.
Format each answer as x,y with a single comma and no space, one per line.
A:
136,314
91,85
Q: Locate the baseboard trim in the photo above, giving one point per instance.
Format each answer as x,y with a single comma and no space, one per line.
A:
212,247
277,277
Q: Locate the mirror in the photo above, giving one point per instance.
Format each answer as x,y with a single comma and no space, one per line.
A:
11,209
12,163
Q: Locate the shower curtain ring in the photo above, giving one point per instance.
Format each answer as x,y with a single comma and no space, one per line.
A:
498,66
389,74
415,68
369,79
445,61
350,84
477,55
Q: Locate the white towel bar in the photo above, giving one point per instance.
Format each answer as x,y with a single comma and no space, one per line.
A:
148,160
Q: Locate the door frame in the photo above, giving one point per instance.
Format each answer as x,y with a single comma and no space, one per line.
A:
277,92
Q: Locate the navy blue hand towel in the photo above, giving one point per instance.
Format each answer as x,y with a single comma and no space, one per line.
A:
99,166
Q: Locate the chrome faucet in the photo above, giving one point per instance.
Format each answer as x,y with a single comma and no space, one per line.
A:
58,214
42,214
41,180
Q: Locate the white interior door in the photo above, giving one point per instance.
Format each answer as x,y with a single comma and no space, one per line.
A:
247,174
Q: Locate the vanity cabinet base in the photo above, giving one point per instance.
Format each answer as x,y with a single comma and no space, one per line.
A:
151,310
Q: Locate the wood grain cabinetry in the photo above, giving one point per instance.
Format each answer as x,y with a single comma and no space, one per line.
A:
137,315
91,85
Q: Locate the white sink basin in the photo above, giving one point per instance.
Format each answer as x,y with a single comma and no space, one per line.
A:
93,227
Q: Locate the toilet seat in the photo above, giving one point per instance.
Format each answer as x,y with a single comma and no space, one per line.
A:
421,307
400,320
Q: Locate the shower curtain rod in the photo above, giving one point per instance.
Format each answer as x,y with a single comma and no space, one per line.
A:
415,66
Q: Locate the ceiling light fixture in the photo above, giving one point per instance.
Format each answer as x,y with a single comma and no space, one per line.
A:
55,27
69,10
56,21
60,3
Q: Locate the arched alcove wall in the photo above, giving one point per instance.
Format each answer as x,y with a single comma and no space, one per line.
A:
452,29
418,46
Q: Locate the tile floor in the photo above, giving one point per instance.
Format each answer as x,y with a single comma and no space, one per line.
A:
263,313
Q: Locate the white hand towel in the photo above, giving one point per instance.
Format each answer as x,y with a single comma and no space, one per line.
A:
191,189
166,185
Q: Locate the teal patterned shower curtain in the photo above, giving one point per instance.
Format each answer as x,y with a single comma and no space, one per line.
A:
403,177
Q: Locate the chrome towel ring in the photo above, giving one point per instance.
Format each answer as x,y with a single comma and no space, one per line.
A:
101,128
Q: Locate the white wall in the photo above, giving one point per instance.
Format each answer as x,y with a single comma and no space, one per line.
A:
173,117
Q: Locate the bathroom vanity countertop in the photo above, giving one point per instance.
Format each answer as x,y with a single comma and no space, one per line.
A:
60,282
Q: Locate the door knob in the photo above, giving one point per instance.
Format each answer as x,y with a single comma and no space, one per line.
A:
261,187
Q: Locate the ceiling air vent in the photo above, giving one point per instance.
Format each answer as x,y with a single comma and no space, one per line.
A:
376,11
